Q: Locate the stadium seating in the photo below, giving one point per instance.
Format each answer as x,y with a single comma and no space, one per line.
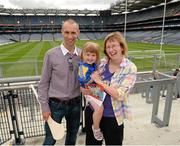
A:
142,26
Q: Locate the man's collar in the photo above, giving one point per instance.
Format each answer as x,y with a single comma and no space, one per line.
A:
65,51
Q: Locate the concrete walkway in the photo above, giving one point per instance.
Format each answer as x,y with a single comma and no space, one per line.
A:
141,131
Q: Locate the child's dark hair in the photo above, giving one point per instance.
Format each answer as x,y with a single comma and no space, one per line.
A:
92,48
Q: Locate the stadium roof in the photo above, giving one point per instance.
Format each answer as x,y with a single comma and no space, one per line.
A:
135,5
47,12
117,8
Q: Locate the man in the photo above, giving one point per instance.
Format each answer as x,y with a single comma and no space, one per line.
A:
58,90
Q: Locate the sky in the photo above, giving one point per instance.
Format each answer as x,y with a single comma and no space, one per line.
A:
59,4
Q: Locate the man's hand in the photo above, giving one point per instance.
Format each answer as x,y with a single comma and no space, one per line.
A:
85,91
46,115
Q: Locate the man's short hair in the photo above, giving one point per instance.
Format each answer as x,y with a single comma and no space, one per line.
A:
71,21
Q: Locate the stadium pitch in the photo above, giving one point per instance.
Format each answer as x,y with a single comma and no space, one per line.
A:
25,58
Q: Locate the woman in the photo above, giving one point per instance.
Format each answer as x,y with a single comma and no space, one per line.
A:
117,76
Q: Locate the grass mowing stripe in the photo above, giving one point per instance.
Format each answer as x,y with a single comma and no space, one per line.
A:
54,44
19,53
33,52
147,46
45,47
138,46
27,68
9,48
57,43
6,56
15,57
43,51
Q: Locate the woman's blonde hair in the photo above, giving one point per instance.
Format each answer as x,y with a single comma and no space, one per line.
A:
92,48
116,36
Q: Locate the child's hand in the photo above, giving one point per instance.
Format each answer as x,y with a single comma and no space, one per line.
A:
96,77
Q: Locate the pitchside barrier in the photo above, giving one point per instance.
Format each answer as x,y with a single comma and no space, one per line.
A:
21,117
156,86
20,113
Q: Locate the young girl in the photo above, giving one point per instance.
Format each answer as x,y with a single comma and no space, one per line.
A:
90,60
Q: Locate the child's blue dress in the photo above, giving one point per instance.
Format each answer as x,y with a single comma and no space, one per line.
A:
85,71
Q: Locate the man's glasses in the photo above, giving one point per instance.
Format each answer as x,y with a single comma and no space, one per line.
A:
70,63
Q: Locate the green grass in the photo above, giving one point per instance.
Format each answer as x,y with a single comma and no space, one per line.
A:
27,57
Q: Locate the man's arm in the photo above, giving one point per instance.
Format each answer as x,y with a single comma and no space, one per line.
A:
43,87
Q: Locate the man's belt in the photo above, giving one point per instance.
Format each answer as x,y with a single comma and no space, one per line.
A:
66,102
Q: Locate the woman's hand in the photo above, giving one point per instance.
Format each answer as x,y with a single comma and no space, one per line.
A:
111,90
96,77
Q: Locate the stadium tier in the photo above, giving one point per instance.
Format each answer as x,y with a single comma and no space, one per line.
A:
144,25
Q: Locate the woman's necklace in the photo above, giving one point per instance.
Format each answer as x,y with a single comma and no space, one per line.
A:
114,67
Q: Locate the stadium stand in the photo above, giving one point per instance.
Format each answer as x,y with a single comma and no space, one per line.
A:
143,25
